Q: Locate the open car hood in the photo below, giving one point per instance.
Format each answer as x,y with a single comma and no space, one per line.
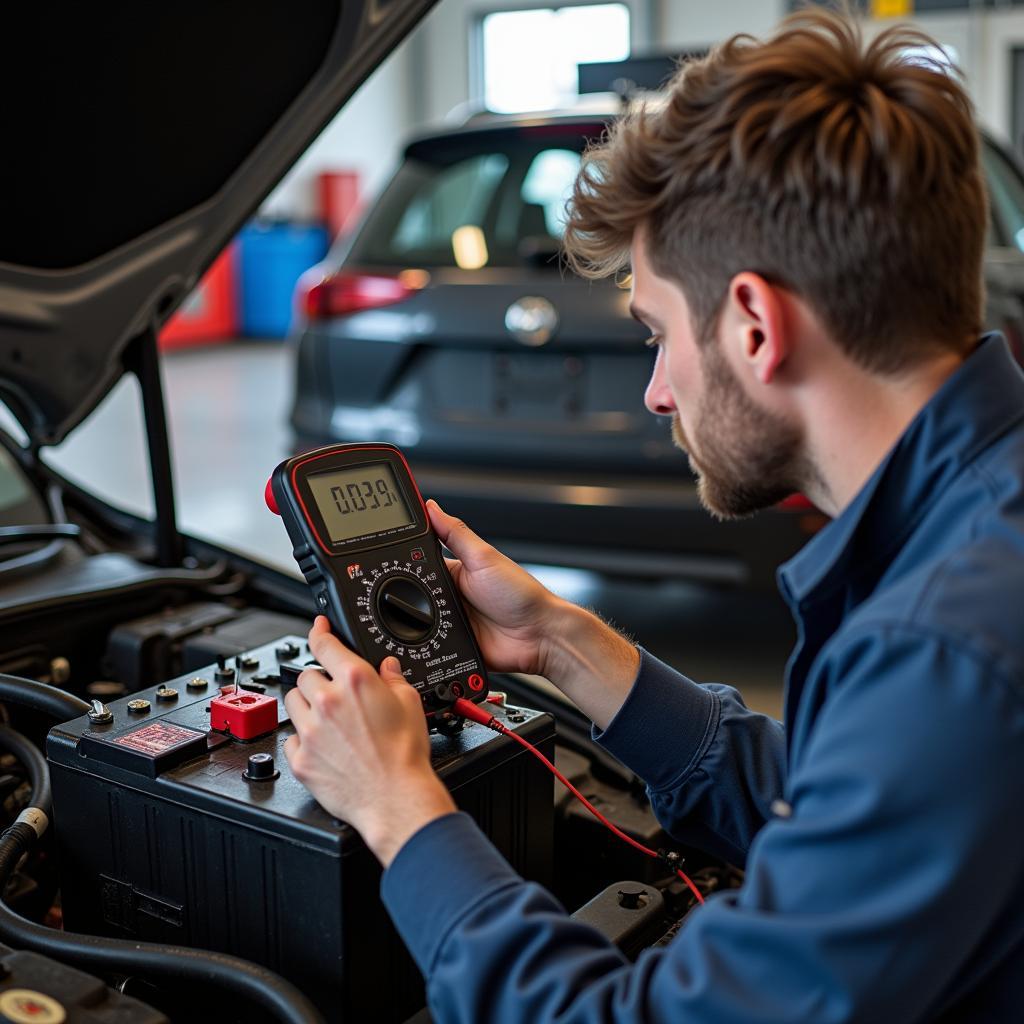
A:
137,140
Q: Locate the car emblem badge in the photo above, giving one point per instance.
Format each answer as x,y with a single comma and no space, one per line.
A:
531,320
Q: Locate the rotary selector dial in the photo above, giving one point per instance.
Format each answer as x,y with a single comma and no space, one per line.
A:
404,609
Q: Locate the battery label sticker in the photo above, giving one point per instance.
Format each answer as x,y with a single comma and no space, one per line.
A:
157,738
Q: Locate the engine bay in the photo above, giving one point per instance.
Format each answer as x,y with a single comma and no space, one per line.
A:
180,831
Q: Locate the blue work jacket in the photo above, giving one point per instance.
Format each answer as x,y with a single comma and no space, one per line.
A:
881,826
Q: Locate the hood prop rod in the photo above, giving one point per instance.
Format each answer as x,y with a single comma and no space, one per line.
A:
141,359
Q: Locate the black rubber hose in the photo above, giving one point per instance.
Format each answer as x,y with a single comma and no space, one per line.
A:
37,532
92,953
35,764
175,964
14,843
30,693
21,836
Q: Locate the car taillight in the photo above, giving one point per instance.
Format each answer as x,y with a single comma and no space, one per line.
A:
351,293
810,520
796,501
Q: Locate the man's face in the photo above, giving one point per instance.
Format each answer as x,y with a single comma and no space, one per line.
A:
745,457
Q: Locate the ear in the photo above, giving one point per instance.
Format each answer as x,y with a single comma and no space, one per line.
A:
757,325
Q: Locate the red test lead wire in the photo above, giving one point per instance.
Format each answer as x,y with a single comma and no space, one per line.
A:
475,713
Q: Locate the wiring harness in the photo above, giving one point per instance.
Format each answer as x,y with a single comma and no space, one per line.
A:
476,713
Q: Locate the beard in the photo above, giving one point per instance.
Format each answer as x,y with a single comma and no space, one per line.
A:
745,458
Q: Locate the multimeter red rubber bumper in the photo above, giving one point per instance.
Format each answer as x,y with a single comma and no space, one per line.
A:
268,497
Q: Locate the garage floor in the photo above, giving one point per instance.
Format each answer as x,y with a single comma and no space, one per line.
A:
227,407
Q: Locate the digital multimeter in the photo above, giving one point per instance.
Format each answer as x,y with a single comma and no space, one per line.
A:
362,539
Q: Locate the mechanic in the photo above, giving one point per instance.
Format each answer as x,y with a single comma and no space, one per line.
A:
804,223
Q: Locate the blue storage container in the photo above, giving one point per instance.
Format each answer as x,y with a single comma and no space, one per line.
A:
272,257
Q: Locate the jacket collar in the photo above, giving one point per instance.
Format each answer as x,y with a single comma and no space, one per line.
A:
979,402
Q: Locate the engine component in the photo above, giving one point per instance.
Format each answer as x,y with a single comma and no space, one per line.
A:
179,639
629,914
34,988
205,843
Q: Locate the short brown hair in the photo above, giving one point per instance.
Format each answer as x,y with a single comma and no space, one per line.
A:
848,173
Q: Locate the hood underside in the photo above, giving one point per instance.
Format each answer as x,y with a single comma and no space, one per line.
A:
137,140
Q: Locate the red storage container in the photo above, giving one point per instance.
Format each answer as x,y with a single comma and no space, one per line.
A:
210,313
338,199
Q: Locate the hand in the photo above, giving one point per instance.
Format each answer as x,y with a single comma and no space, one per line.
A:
361,745
511,613
522,627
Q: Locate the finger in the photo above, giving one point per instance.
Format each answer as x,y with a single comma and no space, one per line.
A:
291,748
391,673
391,669
330,652
298,708
454,569
458,537
320,625
320,694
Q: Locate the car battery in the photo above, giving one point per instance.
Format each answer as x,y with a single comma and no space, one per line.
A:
170,831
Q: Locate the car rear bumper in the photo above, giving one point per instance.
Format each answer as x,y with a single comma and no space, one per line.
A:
618,525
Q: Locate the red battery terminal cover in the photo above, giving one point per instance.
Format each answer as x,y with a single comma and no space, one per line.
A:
244,715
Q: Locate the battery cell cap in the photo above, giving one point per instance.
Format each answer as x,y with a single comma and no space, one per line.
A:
25,1006
260,768
244,715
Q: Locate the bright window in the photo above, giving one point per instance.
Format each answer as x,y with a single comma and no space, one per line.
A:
547,185
530,57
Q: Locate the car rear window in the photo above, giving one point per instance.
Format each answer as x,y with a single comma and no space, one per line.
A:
1006,193
478,199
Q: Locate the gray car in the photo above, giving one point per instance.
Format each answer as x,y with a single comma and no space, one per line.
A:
446,324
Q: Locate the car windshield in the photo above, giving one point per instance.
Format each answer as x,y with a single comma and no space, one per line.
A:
494,198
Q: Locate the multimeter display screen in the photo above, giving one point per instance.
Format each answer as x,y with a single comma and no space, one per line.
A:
360,501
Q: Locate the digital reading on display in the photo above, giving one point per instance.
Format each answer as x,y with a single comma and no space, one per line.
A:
359,501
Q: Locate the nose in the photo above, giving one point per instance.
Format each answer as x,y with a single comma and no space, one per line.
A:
658,396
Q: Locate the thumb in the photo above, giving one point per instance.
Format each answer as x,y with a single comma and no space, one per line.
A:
391,671
463,543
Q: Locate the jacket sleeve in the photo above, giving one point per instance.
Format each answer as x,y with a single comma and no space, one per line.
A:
712,766
862,905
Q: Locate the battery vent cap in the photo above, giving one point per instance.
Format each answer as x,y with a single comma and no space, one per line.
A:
244,715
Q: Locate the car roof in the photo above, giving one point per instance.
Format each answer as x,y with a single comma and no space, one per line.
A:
594,108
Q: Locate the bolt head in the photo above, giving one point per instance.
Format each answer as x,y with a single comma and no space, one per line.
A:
99,713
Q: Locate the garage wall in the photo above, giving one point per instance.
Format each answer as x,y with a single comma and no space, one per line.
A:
430,75
691,24
445,51
365,137
992,72
984,42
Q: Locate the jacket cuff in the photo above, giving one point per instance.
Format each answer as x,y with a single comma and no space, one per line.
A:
424,912
664,726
